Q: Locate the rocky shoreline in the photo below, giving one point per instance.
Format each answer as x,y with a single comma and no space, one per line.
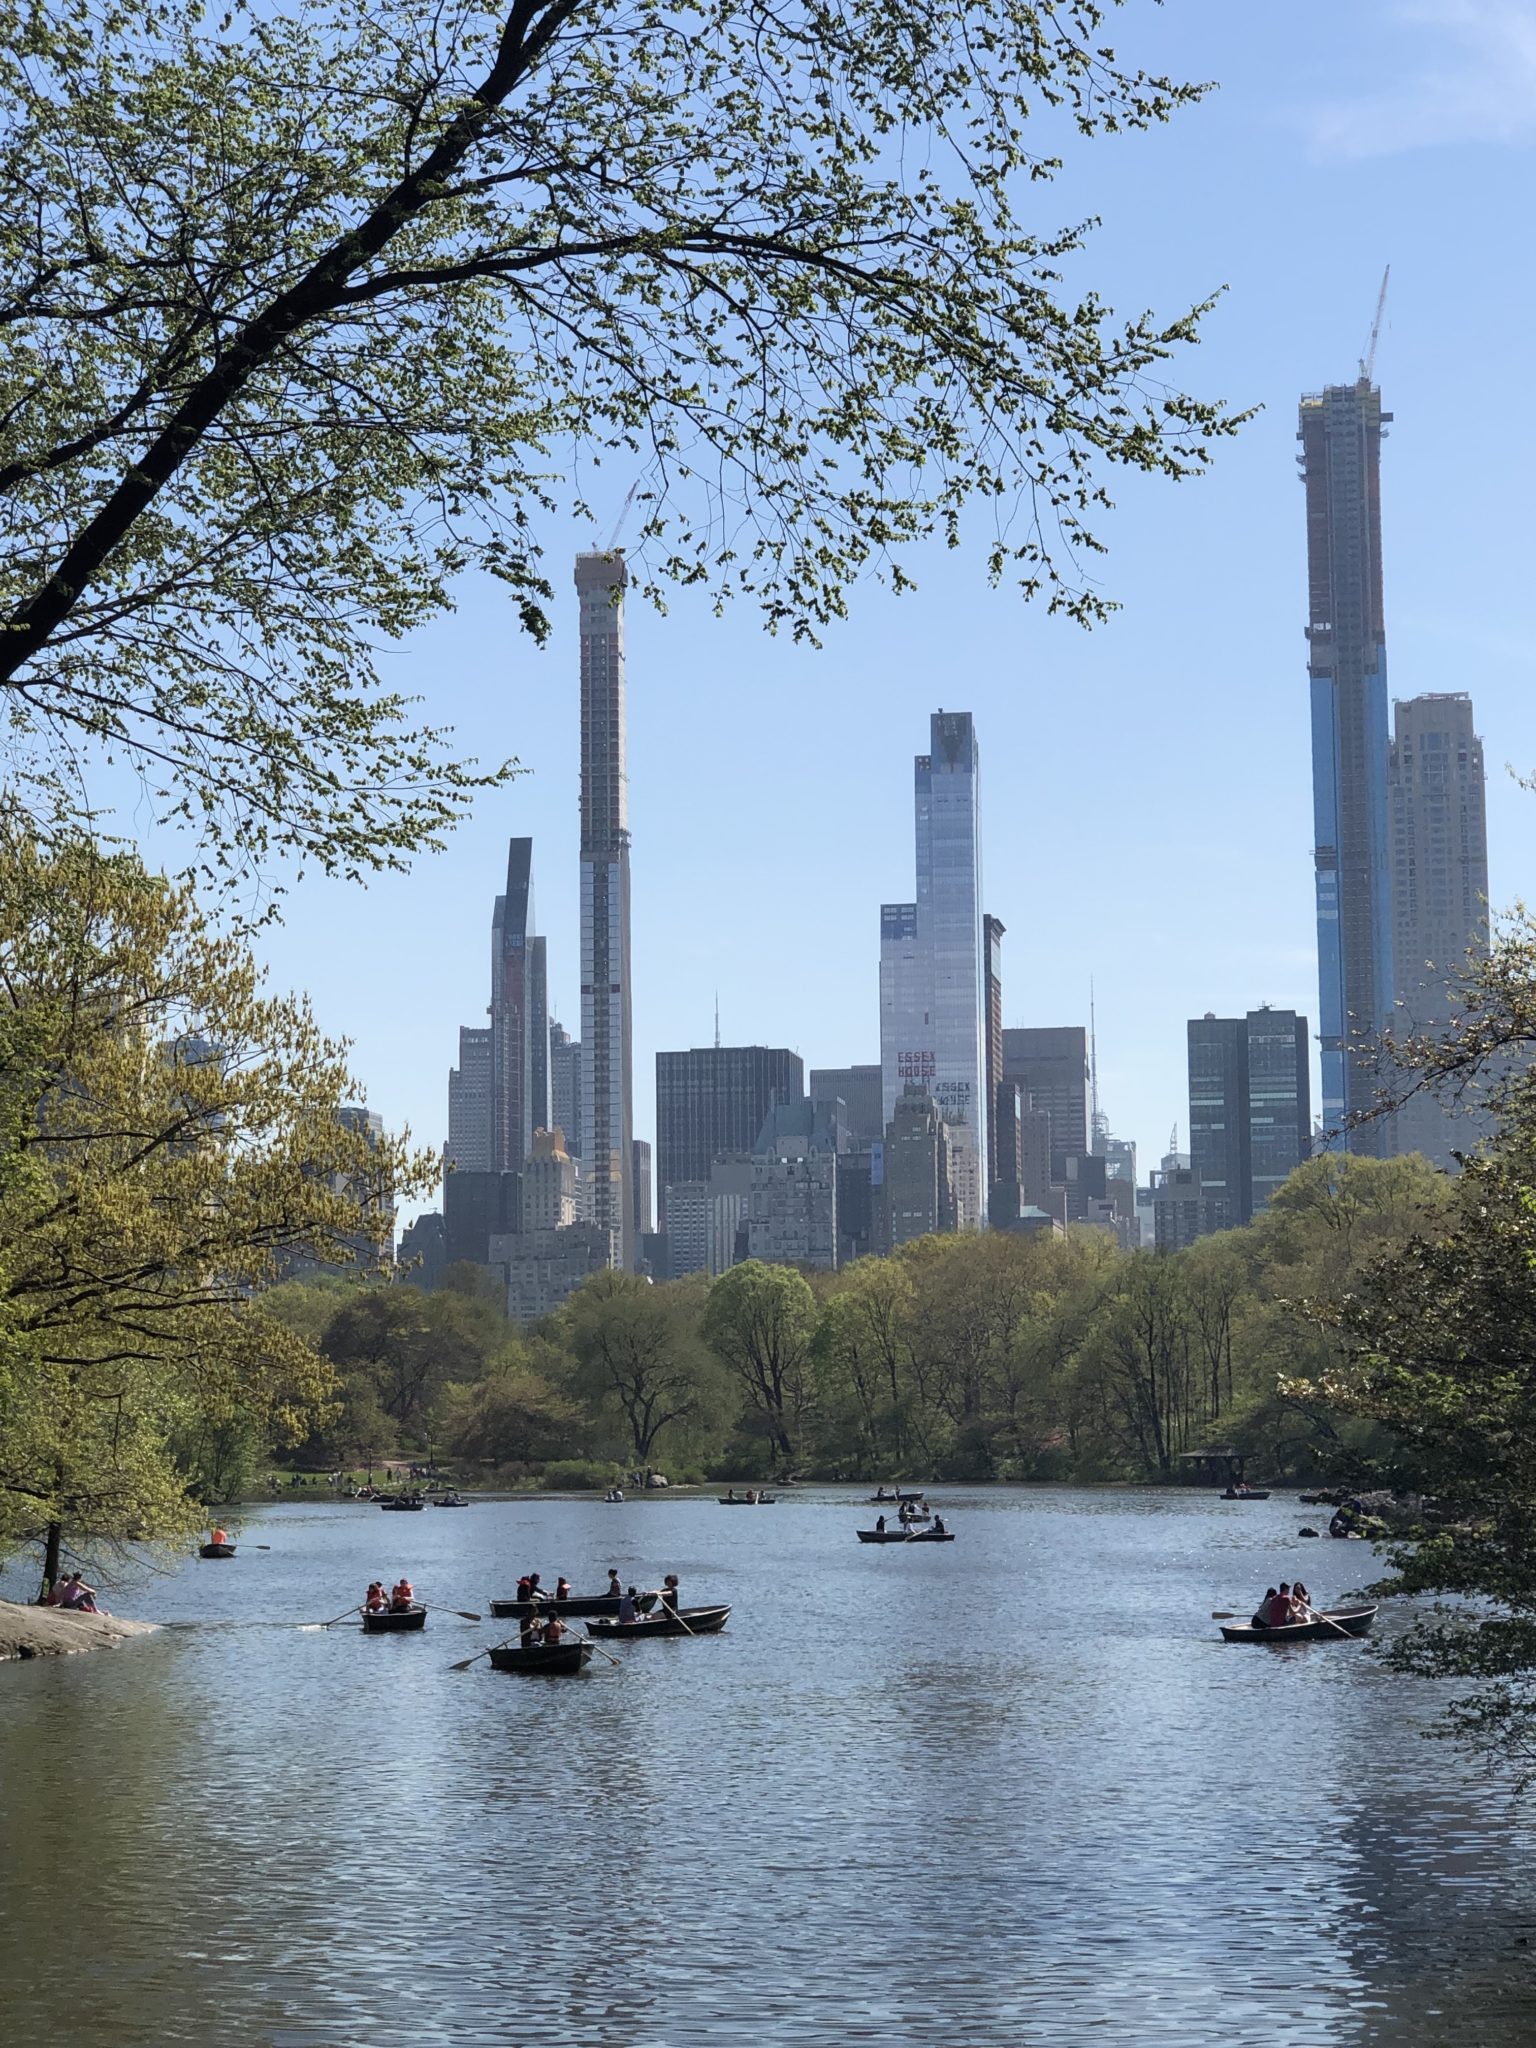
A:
59,1632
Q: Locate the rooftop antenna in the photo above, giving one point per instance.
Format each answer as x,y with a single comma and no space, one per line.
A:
1173,1142
1368,360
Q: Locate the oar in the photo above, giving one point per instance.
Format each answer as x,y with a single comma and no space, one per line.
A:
462,1612
1314,1615
467,1661
305,1626
602,1652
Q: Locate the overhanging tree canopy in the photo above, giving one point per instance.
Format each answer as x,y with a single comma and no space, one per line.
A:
309,307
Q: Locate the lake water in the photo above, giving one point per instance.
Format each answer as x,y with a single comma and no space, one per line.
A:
1012,1789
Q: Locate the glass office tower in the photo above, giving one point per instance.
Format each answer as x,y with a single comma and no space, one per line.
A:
1340,435
933,1020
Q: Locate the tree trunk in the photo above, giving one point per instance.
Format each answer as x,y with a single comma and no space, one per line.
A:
51,1557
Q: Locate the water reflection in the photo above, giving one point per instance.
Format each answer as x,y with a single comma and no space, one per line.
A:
1011,1790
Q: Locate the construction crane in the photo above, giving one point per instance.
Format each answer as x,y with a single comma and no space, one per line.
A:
629,499
1368,360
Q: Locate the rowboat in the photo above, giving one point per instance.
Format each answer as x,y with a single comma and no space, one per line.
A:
1253,1493
216,1550
390,1623
901,1536
891,1500
747,1500
579,1605
702,1621
1354,1621
546,1660
403,1503
450,1500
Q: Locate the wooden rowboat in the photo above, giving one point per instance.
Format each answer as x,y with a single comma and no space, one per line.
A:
403,1503
744,1500
579,1605
216,1550
1253,1493
1354,1621
891,1500
702,1621
902,1536
546,1660
390,1623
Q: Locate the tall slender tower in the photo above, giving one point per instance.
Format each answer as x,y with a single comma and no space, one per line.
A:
933,999
607,1061
1439,891
1340,435
519,1017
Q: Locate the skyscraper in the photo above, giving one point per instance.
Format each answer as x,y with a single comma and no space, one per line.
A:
1340,435
607,1065
932,960
1439,887
713,1099
992,929
858,1089
519,1016
1050,1063
565,1086
469,1102
1250,1110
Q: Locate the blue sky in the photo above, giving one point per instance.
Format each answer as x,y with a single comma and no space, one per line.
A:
1146,787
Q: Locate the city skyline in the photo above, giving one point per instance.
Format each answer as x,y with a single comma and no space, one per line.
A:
1180,726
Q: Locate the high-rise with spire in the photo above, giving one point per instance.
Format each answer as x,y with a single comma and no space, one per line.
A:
607,1059
1340,435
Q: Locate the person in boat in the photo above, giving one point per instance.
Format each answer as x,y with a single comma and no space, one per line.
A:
403,1597
1257,1618
938,1525
879,1525
522,1587
1279,1612
1301,1603
615,1589
730,1493
669,1592
562,1588
628,1611
552,1631
218,1536
375,1600
535,1590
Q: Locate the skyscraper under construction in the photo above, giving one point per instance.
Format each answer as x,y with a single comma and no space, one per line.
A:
1341,435
607,1058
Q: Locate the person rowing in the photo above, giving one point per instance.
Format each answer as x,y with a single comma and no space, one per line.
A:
669,1592
879,1525
552,1632
376,1600
403,1596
